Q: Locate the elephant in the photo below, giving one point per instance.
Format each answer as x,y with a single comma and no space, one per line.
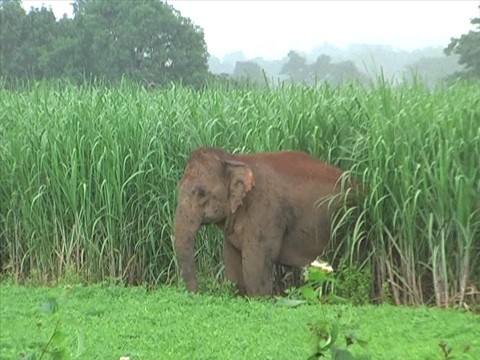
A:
269,206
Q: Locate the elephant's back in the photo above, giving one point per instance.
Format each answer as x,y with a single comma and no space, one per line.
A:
296,165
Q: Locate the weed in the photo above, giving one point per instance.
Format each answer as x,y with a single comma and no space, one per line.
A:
354,283
327,341
56,346
318,287
447,351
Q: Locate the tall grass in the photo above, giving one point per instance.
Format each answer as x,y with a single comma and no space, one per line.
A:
88,176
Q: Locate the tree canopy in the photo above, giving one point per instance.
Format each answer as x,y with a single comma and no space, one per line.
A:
142,40
248,70
468,47
298,70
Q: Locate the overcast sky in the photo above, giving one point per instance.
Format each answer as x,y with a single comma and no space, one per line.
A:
270,29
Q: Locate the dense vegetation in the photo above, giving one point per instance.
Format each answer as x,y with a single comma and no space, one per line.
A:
110,322
468,48
151,43
144,41
89,178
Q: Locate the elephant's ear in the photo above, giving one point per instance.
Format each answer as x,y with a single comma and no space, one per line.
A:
241,182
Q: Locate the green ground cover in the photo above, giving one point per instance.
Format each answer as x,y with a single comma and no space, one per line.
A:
107,322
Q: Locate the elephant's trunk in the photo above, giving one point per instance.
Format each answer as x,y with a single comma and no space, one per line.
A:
186,227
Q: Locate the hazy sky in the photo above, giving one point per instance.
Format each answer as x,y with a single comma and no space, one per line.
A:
272,28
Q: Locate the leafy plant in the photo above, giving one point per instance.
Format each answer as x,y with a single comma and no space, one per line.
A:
327,341
318,287
56,346
354,283
447,351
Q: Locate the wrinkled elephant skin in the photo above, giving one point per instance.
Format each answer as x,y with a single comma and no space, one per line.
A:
269,206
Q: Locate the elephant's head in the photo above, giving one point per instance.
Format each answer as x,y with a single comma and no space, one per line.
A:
212,188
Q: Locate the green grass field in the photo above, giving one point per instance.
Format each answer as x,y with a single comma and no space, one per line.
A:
107,322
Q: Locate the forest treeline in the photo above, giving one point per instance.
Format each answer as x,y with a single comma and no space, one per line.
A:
334,65
142,40
151,43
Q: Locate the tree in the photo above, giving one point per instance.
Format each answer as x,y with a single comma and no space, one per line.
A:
295,68
27,41
42,33
468,47
249,70
12,35
144,40
342,72
322,69
433,69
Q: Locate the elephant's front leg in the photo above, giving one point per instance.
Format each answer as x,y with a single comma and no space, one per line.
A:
233,266
258,253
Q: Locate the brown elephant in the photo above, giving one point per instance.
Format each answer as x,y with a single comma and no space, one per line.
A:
269,206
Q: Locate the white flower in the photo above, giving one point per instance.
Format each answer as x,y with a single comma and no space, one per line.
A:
323,266
124,358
